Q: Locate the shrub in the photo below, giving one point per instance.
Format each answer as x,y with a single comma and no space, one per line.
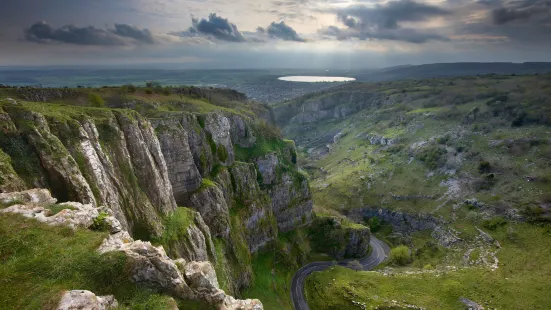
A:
443,140
374,223
222,153
484,167
494,223
400,255
149,91
129,88
95,100
433,156
100,223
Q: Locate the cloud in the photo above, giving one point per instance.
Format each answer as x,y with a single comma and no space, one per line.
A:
122,34
402,34
283,31
388,16
523,11
384,21
217,27
125,30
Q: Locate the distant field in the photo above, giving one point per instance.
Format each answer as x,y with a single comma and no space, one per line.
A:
260,85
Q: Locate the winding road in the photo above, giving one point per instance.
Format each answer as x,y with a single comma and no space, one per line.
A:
379,252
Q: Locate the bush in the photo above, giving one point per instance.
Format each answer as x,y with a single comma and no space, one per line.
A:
484,167
433,156
400,255
148,91
129,88
374,224
494,223
100,223
95,100
222,153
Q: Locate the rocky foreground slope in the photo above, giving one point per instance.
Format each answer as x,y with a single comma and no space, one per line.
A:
231,168
148,265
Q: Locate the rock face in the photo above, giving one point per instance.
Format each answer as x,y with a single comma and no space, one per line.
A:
291,202
86,300
184,175
267,167
210,202
339,238
196,244
401,222
326,106
241,178
380,140
9,180
103,158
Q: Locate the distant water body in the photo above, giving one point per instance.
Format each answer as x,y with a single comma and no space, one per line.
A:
310,79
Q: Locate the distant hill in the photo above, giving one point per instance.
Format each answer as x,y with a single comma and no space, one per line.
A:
453,69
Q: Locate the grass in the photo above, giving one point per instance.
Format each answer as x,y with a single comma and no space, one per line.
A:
43,261
519,283
176,227
56,208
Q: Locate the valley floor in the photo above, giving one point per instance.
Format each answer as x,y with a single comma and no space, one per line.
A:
520,282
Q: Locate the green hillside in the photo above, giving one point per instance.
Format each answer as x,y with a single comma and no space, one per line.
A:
465,162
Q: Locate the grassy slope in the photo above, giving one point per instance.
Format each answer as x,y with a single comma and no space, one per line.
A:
521,282
466,119
42,261
440,113
151,102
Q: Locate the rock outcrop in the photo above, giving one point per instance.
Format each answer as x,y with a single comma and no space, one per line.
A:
86,300
147,264
339,238
232,169
401,221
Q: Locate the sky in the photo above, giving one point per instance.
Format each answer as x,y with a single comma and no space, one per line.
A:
344,34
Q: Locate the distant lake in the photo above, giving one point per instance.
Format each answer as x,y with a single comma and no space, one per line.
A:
310,79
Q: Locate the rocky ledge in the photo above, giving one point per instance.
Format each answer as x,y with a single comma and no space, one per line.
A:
149,265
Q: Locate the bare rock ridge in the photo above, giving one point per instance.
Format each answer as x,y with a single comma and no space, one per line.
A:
149,265
242,181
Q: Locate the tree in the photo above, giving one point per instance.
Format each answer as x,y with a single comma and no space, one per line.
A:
484,167
400,255
374,223
95,100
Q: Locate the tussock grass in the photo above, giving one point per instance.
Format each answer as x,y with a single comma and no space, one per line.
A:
38,262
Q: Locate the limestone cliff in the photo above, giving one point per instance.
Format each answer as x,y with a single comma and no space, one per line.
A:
339,238
238,175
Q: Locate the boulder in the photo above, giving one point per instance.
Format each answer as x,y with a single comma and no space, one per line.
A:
202,279
470,305
74,215
36,197
231,303
86,300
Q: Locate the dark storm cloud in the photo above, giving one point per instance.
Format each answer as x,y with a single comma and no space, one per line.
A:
402,34
384,22
218,27
283,31
388,16
122,34
143,36
522,11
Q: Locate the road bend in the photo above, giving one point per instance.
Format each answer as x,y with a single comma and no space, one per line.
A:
379,252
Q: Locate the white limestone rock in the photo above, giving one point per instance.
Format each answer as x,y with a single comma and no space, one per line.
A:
36,197
86,300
